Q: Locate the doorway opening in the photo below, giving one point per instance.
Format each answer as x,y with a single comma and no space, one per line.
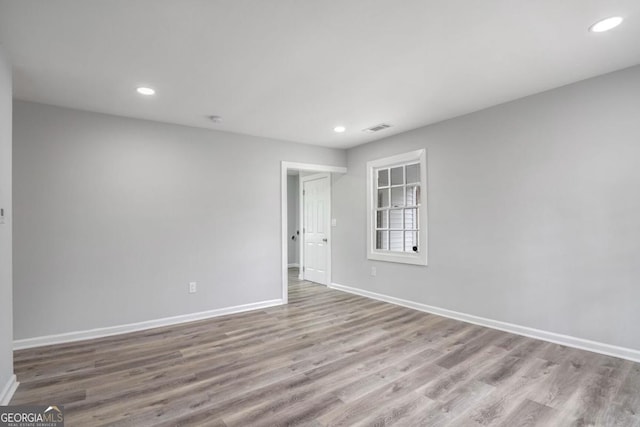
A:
310,236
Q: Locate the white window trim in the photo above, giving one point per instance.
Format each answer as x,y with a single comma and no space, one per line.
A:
419,258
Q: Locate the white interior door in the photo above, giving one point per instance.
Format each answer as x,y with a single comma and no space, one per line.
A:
315,229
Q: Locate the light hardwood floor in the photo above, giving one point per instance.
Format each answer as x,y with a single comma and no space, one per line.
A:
328,359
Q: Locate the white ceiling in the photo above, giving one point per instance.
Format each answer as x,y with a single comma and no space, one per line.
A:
294,69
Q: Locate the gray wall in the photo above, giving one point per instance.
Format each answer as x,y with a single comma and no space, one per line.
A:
293,220
534,213
6,313
114,216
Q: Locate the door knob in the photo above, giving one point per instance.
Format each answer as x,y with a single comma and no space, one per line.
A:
324,240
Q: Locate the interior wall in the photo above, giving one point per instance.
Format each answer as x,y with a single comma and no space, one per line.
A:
6,311
293,220
115,216
534,213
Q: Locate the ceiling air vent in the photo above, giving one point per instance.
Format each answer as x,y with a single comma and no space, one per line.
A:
377,128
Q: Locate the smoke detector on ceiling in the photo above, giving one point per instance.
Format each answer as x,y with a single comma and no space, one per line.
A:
377,128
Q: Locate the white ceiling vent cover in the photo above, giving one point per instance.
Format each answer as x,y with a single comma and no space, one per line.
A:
377,128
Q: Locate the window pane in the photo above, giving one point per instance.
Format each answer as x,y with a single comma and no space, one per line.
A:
410,241
395,218
397,197
383,198
396,241
382,240
382,219
411,219
413,173
383,178
397,175
413,195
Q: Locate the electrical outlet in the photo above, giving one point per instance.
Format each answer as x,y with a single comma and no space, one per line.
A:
193,287
373,271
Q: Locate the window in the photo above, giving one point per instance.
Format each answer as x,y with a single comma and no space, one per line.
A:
397,220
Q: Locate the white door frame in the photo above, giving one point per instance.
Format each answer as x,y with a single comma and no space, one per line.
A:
284,168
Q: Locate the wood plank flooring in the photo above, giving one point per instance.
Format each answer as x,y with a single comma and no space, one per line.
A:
328,359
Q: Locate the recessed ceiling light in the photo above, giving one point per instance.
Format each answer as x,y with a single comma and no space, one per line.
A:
145,91
339,129
605,24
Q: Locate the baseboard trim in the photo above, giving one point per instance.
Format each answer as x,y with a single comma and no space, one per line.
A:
294,265
566,340
8,390
133,327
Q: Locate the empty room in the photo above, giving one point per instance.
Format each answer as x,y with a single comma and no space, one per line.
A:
319,213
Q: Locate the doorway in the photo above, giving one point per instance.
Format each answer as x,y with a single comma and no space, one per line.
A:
319,250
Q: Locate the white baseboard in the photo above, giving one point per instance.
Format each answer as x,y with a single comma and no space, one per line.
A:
7,391
566,340
294,265
132,327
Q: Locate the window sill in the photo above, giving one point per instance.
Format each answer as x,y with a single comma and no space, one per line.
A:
414,259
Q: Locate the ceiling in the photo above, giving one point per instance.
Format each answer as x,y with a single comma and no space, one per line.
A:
295,69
